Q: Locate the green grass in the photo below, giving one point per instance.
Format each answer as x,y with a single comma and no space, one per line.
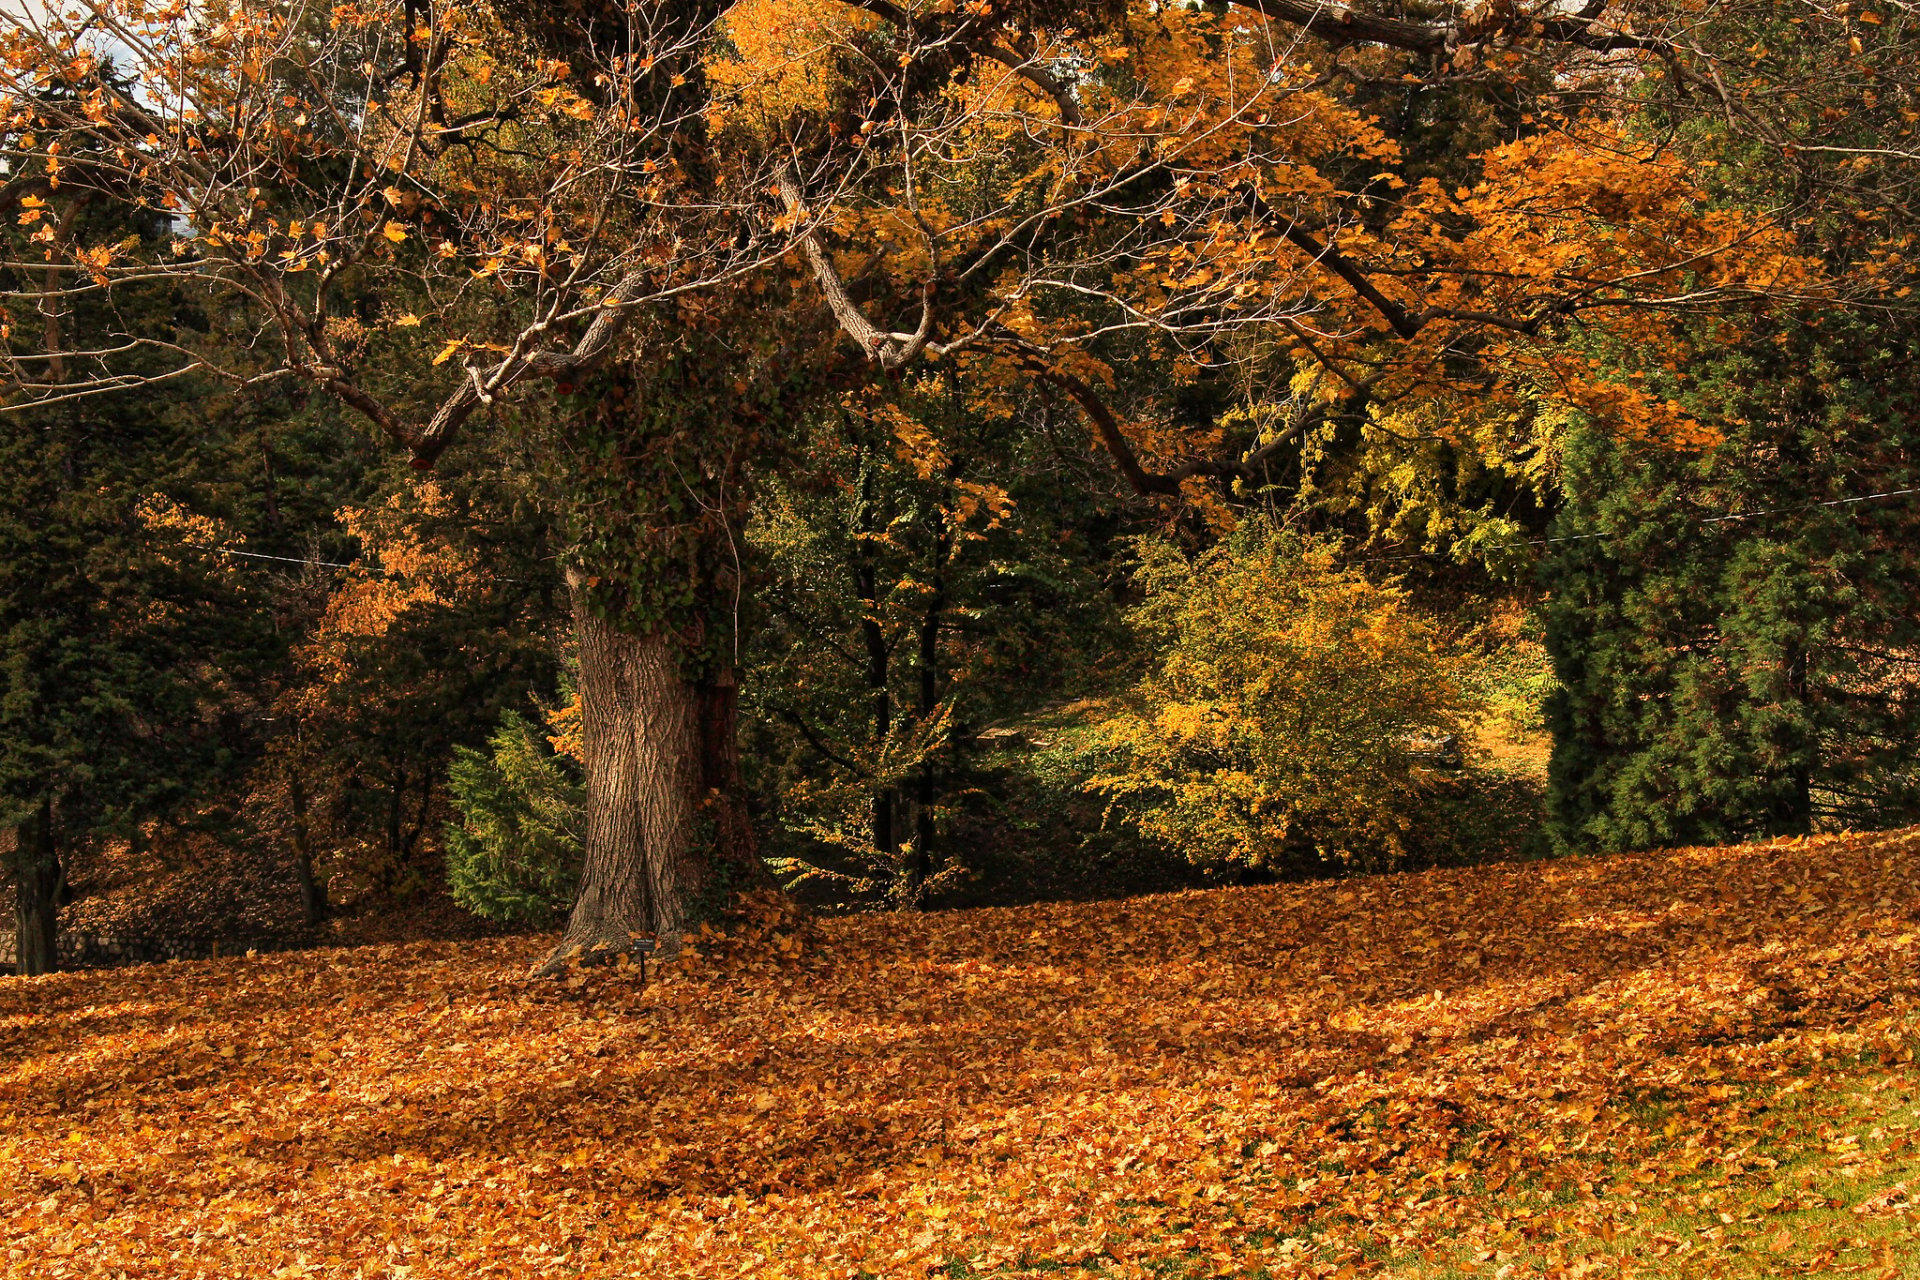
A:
1814,1182
1822,1179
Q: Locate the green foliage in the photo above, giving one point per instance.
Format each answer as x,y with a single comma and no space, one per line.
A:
1513,682
650,475
1277,728
929,573
1047,835
1737,659
1731,678
515,853
443,621
128,643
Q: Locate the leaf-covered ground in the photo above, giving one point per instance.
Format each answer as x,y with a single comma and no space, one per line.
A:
1698,1063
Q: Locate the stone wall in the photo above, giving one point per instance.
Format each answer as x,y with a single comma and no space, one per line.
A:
104,950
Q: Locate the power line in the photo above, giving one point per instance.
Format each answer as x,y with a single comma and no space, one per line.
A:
258,555
323,564
1415,555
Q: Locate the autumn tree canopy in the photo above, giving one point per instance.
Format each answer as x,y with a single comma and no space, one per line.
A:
687,222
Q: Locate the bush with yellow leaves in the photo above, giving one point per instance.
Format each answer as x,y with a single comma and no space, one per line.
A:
1281,723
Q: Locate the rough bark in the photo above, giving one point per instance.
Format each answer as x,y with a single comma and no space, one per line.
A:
667,833
36,909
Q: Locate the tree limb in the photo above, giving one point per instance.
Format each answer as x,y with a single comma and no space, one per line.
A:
891,351
1167,484
1340,24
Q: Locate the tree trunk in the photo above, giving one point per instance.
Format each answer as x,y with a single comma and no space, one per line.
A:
922,869
667,834
36,910
396,802
1793,815
879,692
734,851
313,894
411,840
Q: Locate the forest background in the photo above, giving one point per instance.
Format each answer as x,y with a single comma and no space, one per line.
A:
1309,443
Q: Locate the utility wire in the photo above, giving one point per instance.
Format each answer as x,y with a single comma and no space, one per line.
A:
323,564
1415,555
258,555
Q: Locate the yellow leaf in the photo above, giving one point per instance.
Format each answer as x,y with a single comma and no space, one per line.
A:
396,232
446,352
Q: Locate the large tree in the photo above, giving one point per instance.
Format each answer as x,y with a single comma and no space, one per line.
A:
643,206
1734,630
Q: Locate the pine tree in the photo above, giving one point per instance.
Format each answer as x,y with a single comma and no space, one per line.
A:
1736,660
121,629
515,853
127,638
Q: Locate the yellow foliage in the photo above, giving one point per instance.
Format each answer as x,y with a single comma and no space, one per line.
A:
781,56
565,722
161,516
400,568
1278,720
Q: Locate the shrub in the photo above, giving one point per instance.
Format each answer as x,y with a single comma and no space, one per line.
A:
515,853
1278,727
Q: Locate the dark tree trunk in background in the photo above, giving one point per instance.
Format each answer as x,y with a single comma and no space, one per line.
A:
880,705
729,830
930,623
313,894
1794,812
410,841
667,832
396,800
36,904
879,696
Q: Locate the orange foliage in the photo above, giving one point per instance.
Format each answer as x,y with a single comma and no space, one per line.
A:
1305,1078
782,57
1032,183
566,738
400,567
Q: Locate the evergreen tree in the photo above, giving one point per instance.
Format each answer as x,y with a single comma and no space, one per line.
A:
123,630
515,853
1734,629
1736,660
